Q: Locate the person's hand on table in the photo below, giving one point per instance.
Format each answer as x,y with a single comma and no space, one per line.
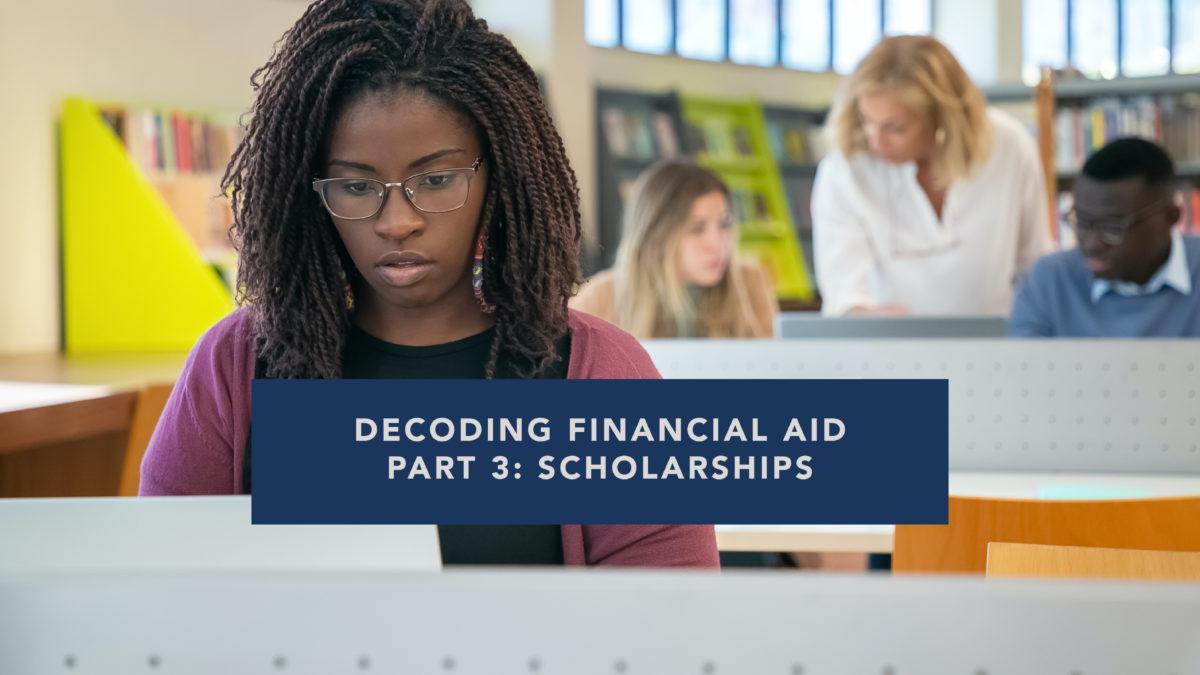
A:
879,310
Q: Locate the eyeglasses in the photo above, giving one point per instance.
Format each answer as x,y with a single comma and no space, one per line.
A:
437,191
1110,228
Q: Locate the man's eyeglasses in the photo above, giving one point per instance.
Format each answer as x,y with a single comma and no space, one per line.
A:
437,191
1110,228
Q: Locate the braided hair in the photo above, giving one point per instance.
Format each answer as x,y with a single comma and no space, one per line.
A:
293,267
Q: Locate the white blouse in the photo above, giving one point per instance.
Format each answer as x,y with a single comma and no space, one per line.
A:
878,241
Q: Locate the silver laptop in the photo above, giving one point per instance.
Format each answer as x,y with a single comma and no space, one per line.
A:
196,534
792,325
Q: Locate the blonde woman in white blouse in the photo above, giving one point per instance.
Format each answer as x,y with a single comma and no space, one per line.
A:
929,203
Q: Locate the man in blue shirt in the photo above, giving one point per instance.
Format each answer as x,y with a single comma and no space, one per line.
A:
1133,274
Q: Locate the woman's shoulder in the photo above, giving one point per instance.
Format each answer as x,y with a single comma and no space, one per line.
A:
224,354
232,336
596,296
600,351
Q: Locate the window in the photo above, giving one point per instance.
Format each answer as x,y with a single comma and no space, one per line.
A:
754,30
799,34
646,26
701,26
1094,43
805,29
601,26
857,25
907,17
1147,30
1186,50
1111,38
1044,26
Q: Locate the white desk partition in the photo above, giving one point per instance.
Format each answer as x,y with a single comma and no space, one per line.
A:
1015,405
115,534
592,622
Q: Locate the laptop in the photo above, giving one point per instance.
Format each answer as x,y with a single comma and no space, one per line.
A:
196,534
810,325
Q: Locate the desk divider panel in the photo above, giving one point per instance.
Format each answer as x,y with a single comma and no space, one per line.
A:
595,622
1128,406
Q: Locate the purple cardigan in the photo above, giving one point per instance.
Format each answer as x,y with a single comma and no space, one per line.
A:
199,443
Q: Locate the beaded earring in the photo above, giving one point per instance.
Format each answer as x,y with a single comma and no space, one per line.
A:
477,278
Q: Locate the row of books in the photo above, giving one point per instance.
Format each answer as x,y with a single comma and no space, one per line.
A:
1172,120
794,141
639,134
647,135
172,141
720,138
750,206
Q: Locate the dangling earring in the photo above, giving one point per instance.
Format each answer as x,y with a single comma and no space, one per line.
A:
477,278
348,296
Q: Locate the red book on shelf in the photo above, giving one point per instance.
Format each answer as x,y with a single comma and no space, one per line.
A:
1194,226
183,143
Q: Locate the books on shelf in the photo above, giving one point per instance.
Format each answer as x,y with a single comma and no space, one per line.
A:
750,207
794,141
720,138
1172,120
172,141
639,134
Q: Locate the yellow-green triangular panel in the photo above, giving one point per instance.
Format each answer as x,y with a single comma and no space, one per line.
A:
132,278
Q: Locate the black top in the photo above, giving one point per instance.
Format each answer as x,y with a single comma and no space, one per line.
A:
368,357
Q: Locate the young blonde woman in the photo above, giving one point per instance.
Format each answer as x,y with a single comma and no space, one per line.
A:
676,273
930,203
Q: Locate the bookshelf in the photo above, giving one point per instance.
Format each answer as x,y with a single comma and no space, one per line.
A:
142,230
1073,118
732,138
794,136
635,130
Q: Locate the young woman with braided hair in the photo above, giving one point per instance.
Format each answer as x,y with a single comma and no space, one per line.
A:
404,209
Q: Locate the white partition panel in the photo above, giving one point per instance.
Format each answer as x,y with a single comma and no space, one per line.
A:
497,623
154,534
1015,405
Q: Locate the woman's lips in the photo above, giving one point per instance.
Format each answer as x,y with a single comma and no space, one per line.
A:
402,268
404,274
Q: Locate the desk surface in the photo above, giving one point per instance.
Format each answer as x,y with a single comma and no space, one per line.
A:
120,371
878,538
16,396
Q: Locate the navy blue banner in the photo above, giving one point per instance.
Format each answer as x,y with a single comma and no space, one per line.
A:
599,451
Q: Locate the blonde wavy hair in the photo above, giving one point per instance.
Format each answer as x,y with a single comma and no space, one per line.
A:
651,299
924,74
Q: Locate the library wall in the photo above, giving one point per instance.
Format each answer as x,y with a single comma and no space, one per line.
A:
94,50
